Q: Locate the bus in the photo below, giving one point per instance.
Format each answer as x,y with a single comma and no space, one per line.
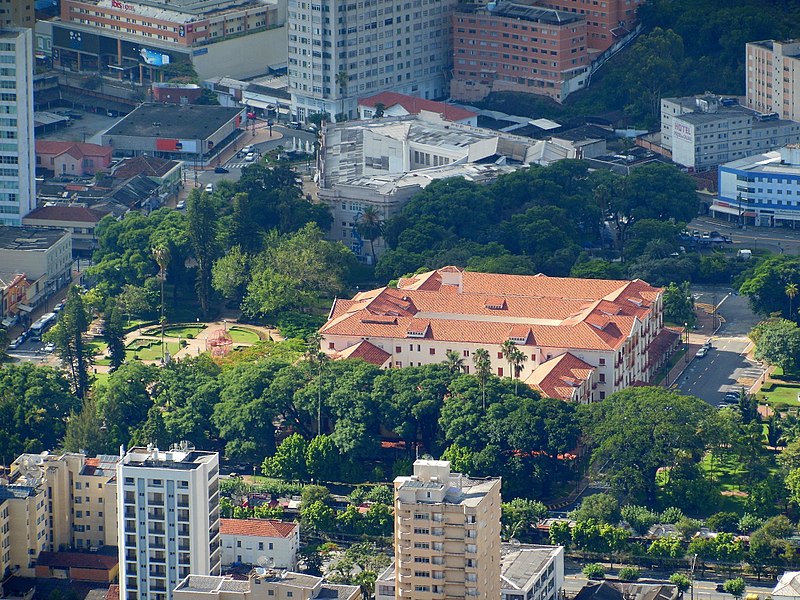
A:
42,323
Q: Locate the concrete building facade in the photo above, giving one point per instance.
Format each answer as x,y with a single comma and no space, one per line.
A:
512,46
17,157
531,572
761,190
447,534
140,40
702,132
259,542
773,77
339,51
168,506
23,527
17,13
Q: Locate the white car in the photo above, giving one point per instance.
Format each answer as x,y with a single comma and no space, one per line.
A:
701,353
181,205
247,150
210,188
250,157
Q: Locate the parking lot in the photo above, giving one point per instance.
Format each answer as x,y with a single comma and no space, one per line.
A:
89,128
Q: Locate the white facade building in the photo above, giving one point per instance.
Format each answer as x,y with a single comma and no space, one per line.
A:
761,190
17,154
168,506
773,77
706,131
530,572
260,542
339,51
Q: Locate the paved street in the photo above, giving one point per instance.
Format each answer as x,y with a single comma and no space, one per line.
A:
775,240
726,367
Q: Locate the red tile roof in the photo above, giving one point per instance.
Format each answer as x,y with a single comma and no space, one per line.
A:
151,166
559,376
365,351
414,105
113,592
257,527
79,214
450,305
80,560
75,149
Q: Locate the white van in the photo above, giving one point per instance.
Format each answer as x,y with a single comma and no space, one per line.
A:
744,254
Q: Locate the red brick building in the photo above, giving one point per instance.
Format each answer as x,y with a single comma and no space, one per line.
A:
606,20
516,47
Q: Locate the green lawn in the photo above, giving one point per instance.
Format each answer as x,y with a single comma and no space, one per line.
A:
97,347
183,331
727,474
148,349
243,336
781,394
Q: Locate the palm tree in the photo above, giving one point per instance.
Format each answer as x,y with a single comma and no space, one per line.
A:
507,349
341,80
454,362
483,368
370,227
791,292
518,358
162,256
317,359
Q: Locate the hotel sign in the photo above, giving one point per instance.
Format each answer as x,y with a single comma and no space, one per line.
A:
682,132
123,6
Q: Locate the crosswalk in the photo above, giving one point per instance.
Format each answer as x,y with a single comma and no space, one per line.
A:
238,165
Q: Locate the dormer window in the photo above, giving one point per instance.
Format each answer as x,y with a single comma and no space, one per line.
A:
496,303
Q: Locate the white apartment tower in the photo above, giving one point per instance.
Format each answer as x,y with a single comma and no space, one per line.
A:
168,504
17,158
446,534
341,50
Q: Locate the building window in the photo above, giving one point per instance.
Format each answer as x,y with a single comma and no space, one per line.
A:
432,351
499,371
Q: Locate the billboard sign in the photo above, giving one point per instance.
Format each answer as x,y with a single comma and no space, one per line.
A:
154,57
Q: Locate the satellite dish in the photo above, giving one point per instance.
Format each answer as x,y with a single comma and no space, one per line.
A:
266,562
260,571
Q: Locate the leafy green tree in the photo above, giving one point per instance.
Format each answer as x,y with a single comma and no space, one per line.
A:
202,223
317,516
379,519
35,404
461,459
322,458
793,485
749,523
766,285
735,587
483,370
350,520
67,335
681,581
615,540
666,547
133,300
777,342
687,527
114,333
560,534
586,536
679,304
289,461
603,508
628,574
640,430
454,362
640,518
123,402
727,522
315,493
230,274
519,515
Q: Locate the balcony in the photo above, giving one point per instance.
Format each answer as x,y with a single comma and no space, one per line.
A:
157,514
156,530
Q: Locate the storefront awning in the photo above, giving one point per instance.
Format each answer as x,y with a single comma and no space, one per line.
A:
24,307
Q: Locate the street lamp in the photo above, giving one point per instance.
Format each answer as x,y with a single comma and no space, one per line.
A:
686,347
694,561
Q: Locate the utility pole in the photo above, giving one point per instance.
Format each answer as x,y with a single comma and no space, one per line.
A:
694,561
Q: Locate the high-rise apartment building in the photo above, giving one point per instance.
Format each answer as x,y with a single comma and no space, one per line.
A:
168,506
773,77
339,51
17,151
23,528
447,534
17,13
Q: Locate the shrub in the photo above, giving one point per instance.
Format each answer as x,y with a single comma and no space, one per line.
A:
628,574
594,571
189,336
681,581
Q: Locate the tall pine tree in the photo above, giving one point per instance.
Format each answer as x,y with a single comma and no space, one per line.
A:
67,335
203,234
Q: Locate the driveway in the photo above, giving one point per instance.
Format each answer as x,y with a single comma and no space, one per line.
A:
726,367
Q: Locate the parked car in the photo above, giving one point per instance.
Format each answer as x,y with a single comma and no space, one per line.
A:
16,343
210,188
295,125
49,347
247,150
221,170
701,353
250,157
181,205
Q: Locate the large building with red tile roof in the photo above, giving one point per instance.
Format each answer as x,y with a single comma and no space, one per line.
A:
263,542
400,105
606,326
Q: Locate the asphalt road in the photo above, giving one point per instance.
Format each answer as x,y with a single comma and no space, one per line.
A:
774,239
725,368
